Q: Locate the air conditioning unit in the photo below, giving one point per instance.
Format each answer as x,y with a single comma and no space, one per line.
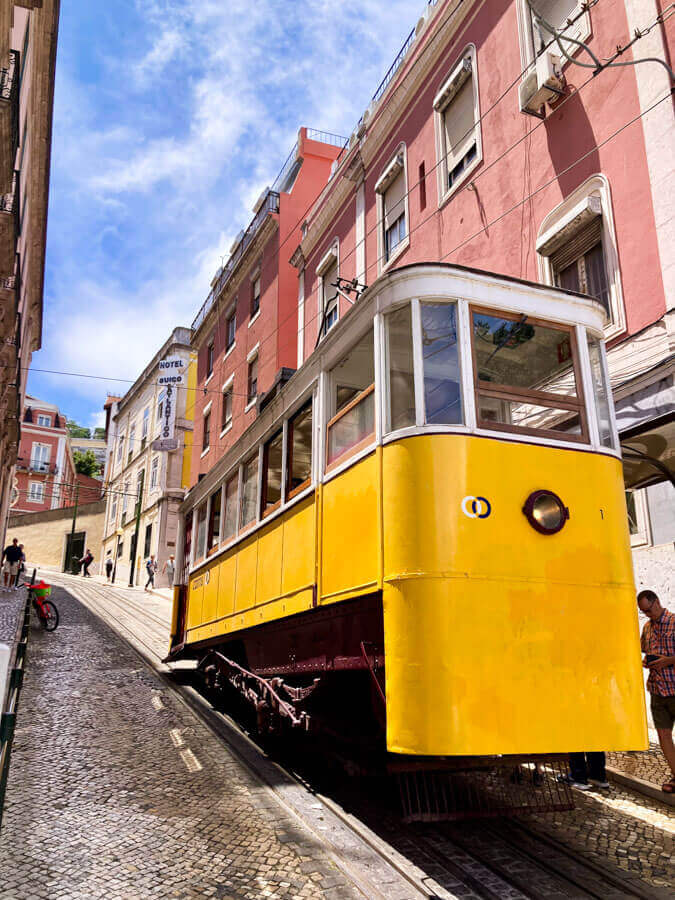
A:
543,84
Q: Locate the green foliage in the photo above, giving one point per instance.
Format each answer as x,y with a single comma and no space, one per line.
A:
77,431
99,434
86,463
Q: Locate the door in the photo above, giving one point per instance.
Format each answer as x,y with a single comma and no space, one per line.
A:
74,551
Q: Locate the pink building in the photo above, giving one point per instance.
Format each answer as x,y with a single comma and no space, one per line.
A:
246,332
485,147
45,476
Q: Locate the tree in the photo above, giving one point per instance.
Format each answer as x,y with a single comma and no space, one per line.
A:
86,463
77,431
99,434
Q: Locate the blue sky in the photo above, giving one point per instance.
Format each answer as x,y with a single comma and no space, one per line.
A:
170,117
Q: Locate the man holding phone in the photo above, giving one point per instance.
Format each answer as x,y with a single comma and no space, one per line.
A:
658,645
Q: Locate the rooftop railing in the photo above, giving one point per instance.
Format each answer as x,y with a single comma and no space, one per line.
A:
313,134
269,205
394,67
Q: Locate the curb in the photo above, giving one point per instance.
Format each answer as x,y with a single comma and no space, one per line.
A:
640,786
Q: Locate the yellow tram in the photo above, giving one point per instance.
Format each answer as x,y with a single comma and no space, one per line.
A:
427,527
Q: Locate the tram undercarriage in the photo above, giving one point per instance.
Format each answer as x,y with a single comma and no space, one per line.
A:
317,680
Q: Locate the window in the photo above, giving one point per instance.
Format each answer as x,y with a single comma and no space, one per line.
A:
140,480
249,491
422,180
125,498
132,441
526,376
36,492
230,521
576,249
442,391
456,117
401,383
230,330
39,457
533,37
120,447
226,417
200,548
147,546
44,421
327,271
299,452
160,409
255,296
391,193
154,472
638,517
113,509
252,383
213,538
206,433
144,427
600,392
353,401
272,468
209,360
120,549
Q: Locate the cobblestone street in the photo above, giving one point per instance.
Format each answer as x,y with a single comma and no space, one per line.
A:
117,790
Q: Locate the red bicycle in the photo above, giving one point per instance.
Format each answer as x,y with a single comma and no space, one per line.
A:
46,609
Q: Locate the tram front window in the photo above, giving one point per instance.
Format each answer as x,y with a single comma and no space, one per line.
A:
352,385
401,372
442,391
526,376
600,392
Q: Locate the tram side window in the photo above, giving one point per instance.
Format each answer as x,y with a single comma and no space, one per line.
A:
272,467
299,452
249,491
352,384
213,538
400,367
200,548
442,382
526,376
230,522
600,392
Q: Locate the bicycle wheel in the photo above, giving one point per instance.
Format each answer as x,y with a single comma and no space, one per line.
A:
50,619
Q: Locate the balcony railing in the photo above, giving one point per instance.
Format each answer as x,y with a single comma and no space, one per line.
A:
9,113
383,85
270,205
36,465
313,134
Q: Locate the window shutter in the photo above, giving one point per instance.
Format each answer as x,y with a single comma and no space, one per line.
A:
459,124
556,13
394,200
329,279
579,244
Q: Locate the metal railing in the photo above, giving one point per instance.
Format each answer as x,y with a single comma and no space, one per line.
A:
8,718
313,134
383,85
269,205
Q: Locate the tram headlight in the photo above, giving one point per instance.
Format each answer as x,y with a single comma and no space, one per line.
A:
546,512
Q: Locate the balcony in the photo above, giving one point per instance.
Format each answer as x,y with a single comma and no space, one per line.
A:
269,205
9,120
9,228
36,465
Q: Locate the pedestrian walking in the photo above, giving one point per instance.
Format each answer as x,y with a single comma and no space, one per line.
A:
22,565
588,770
11,560
658,645
85,562
108,565
151,569
169,567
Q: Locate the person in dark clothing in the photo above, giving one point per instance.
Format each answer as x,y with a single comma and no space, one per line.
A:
587,769
108,566
11,558
86,561
151,569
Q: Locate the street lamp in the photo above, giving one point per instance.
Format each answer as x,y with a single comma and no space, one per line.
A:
119,534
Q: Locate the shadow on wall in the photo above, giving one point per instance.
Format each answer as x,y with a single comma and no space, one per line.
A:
571,140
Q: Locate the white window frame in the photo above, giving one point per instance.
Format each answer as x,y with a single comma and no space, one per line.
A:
46,420
43,457
398,162
120,448
113,509
36,496
145,423
255,276
154,473
212,346
206,412
580,31
132,440
564,215
125,496
230,313
228,387
643,538
440,105
324,264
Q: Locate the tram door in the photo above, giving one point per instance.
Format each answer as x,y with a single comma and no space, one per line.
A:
74,552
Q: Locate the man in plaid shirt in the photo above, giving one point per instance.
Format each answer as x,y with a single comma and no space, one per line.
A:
658,643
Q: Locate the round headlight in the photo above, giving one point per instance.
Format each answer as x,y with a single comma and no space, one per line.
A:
546,512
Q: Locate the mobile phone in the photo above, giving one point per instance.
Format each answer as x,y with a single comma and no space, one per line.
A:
651,657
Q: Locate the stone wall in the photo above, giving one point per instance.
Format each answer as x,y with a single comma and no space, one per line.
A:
43,534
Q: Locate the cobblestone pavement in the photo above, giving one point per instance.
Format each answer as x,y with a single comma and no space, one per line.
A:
117,790
621,827
649,764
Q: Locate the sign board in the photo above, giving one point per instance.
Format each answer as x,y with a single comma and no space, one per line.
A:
166,444
172,364
174,378
167,427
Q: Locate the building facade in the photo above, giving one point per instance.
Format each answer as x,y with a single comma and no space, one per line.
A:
28,36
246,333
136,472
488,145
